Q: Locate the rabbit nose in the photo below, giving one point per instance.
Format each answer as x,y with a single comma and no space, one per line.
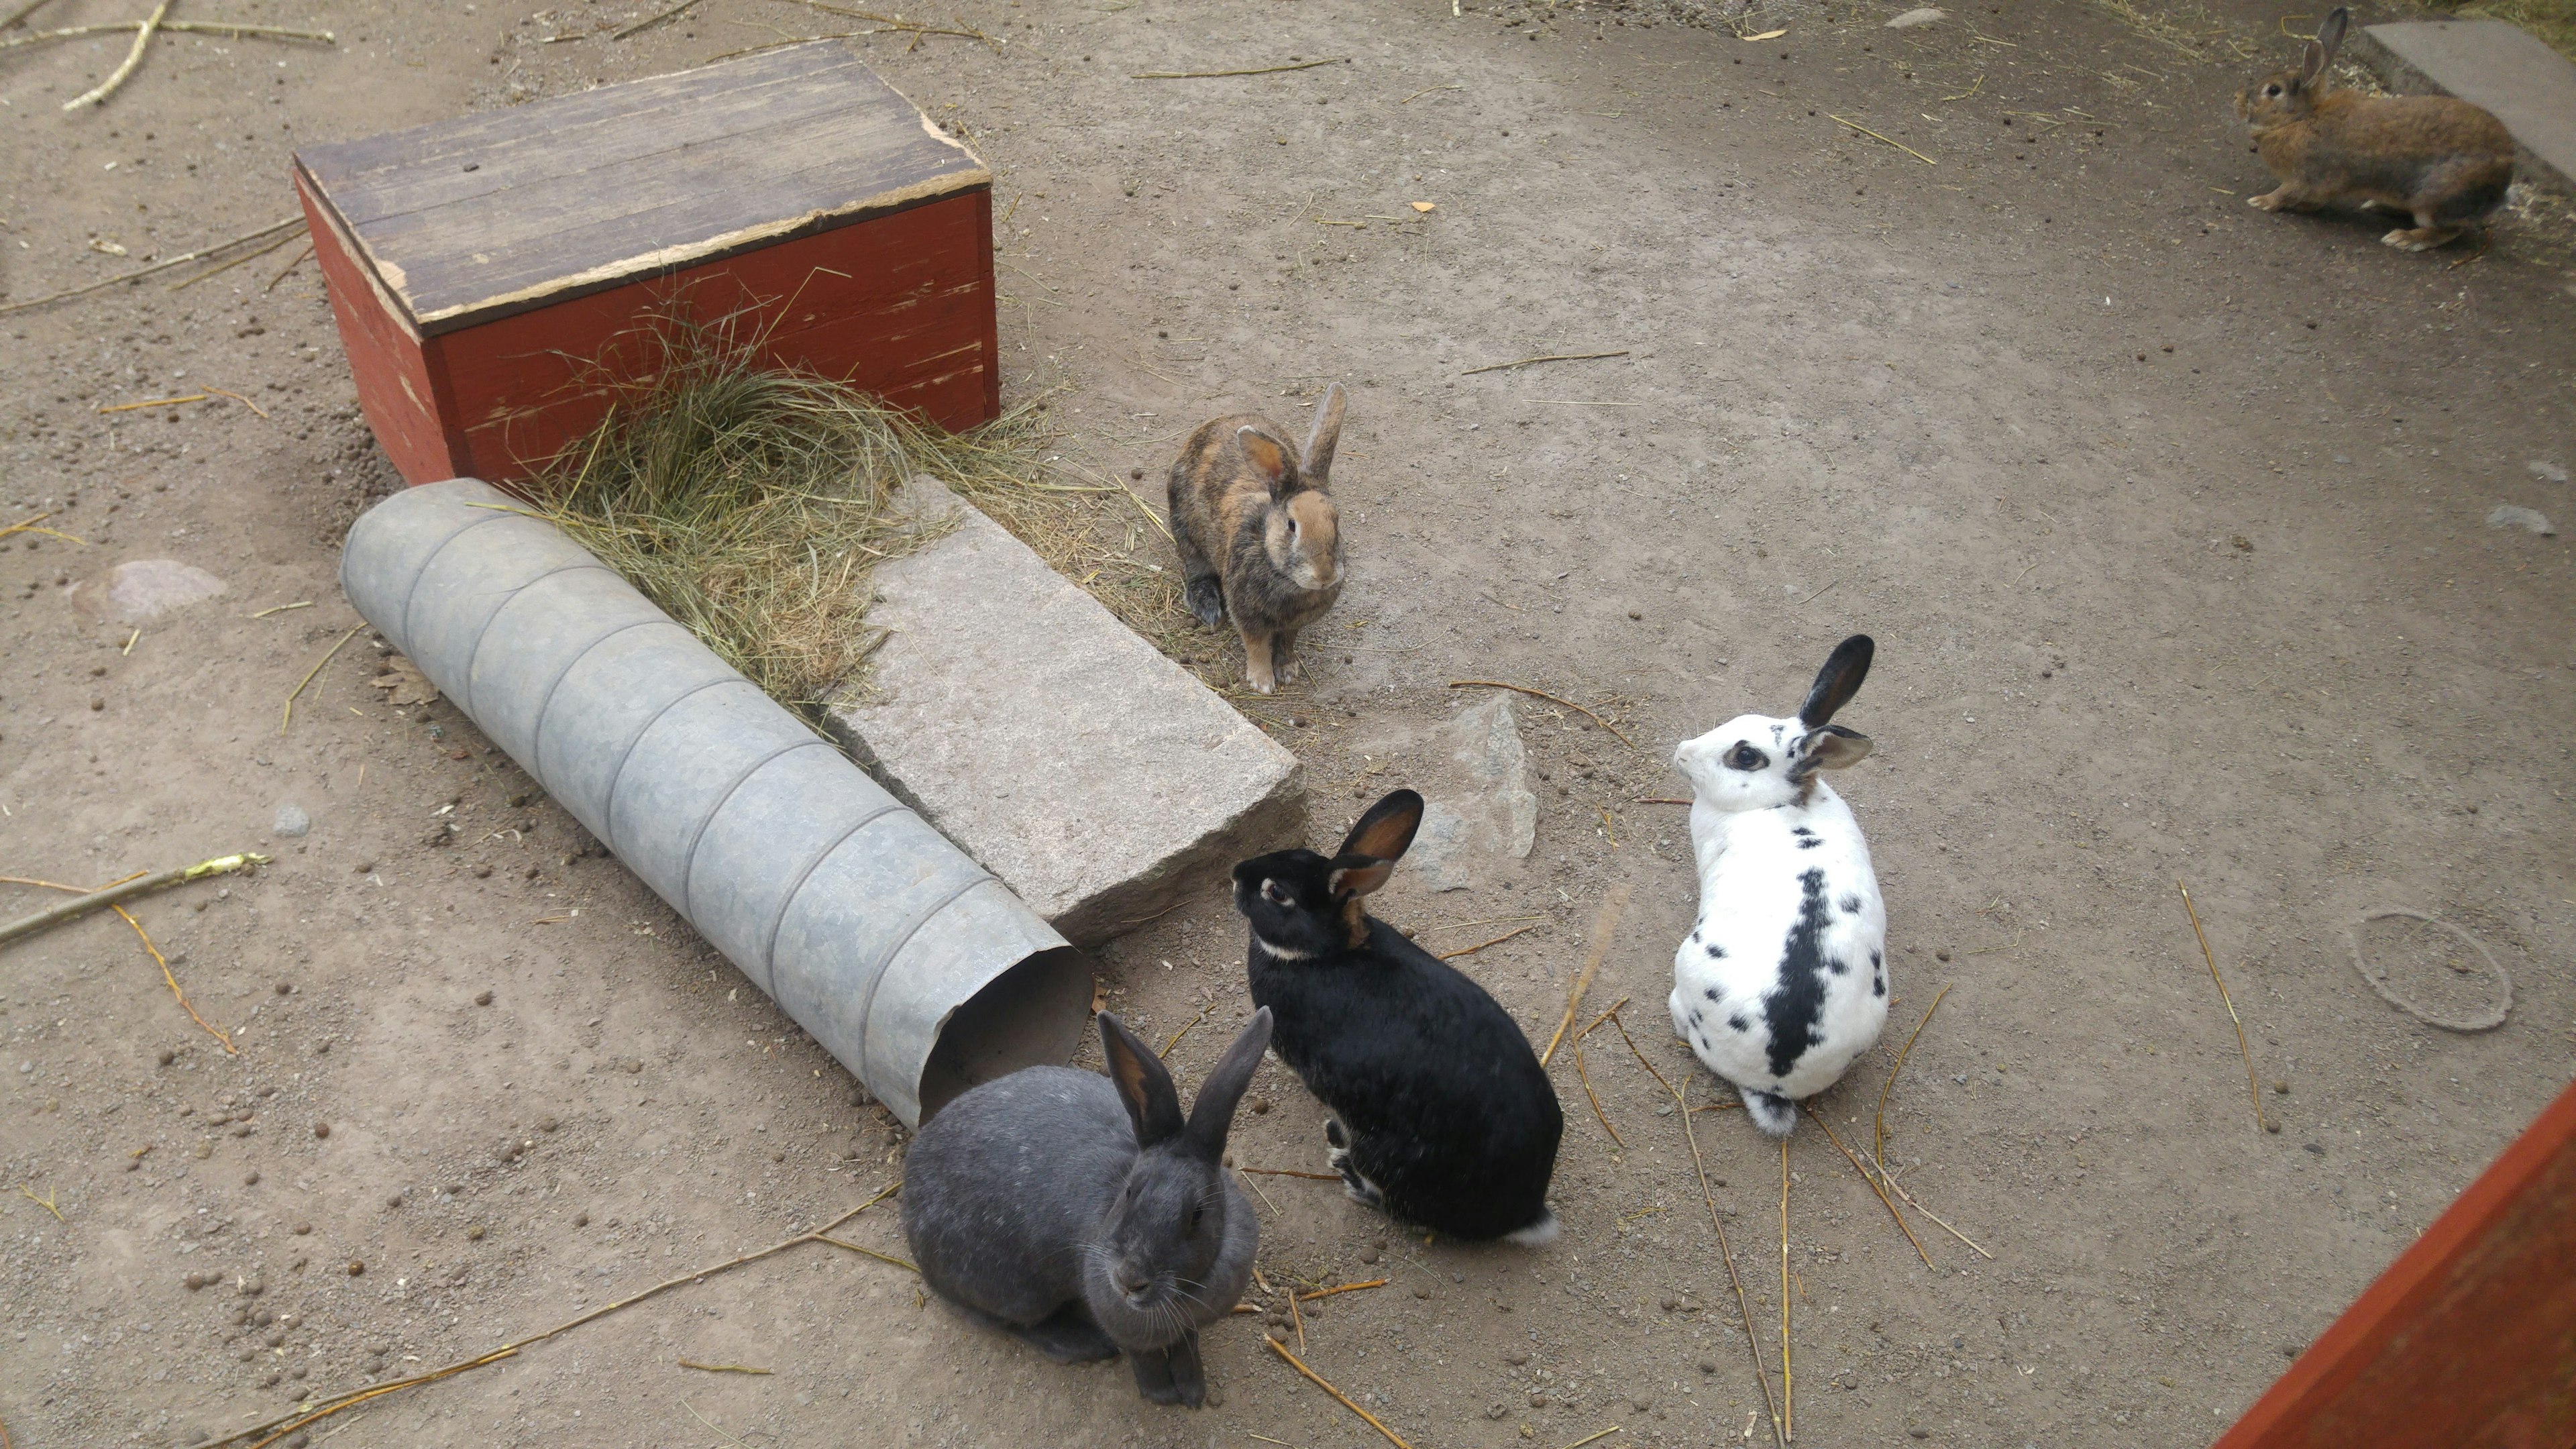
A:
1133,1281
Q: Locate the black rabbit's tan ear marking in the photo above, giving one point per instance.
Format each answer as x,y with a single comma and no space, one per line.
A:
1386,831
1268,457
1359,875
1838,681
1212,1115
1153,1103
1831,747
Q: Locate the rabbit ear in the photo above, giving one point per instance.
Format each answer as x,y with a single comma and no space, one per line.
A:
1838,681
2312,63
1318,465
1212,1115
2330,35
1143,1083
1268,456
1831,747
1386,831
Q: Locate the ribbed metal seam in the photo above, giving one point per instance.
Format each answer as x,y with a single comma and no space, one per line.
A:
689,861
608,797
474,651
877,968
545,706
769,943
412,589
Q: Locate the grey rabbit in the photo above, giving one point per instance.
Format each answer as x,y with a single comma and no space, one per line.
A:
1085,1214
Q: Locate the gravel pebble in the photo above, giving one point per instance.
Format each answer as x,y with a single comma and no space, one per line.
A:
321,1129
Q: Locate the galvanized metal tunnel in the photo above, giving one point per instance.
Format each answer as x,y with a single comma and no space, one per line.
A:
910,963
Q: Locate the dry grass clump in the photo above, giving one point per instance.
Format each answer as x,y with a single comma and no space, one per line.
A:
751,504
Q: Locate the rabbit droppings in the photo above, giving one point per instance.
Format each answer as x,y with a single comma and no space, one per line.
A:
1769,989
2438,159
1085,1214
1442,1115
1258,535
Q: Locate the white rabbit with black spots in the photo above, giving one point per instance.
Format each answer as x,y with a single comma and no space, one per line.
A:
1784,980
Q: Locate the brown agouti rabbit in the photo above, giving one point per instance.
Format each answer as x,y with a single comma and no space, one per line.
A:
1258,534
2438,158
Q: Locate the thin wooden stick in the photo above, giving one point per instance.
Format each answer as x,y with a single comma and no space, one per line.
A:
1874,1187
1317,1380
237,397
123,890
1604,922
190,27
1339,1288
1596,1021
2252,1086
288,268
179,261
1899,1189
1878,1148
897,22
1788,1383
1214,74
1660,800
1296,1320
722,1368
1265,1197
1586,1078
1185,1031
163,962
649,21
1588,1438
1481,945
1408,100
1291,1172
279,1428
1547,357
869,1253
156,402
1708,1200
1543,694
1873,135
223,267
98,94
288,716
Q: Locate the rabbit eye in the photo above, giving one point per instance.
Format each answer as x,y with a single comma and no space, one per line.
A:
1745,757
2271,90
1195,1215
1275,893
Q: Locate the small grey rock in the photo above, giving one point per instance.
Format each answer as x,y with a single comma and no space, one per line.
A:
2529,520
1928,15
291,821
2543,469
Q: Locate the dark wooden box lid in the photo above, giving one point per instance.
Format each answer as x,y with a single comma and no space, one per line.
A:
481,217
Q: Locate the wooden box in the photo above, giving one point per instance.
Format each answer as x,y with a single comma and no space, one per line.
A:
496,277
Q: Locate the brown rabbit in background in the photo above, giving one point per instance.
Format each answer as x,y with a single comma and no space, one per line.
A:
2442,160
1258,534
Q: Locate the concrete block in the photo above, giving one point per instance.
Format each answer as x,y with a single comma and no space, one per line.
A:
2529,87
1097,778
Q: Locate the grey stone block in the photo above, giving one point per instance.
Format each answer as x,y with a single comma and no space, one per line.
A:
1098,779
2529,87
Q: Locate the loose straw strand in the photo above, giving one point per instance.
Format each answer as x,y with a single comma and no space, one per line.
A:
1876,1188
1788,1384
2252,1087
1604,922
1317,1380
1878,1148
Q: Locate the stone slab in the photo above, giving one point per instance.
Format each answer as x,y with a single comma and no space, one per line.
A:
2490,63
1479,811
1098,779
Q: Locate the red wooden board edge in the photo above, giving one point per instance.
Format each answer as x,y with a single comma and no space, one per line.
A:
2328,1380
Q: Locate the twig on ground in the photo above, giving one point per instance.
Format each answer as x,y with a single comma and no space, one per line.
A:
2253,1087
1317,1380
1212,75
155,402
237,397
722,1368
282,608
649,21
1788,1383
289,267
28,1191
1586,1078
287,717
1874,1186
897,23
279,1428
868,1252
1604,922
172,978
1185,1031
1291,1172
179,261
1408,100
1898,1188
1660,800
1596,1021
1708,1200
1588,1438
1296,1320
29,526
98,94
1548,357
1481,945
1873,135
1257,1192
1338,1288
188,27
222,267
1550,698
124,890
1878,1144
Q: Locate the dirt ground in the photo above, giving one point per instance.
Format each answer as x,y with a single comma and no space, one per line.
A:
2169,517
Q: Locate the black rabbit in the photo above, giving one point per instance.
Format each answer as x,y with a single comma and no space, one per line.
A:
1442,1115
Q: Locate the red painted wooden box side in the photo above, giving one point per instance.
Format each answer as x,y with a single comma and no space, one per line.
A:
2468,1341
900,305
395,387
